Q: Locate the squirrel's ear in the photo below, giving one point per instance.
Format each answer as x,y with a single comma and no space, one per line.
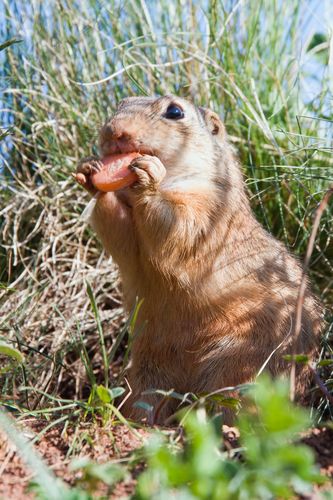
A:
213,122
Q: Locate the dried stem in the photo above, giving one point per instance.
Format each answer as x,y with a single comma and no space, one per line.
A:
301,292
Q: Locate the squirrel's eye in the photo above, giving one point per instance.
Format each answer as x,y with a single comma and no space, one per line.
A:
174,112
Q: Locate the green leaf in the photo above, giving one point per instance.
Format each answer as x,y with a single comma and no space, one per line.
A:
115,392
325,362
143,405
108,395
171,394
298,358
3,286
317,39
134,317
227,402
2,136
103,394
108,473
8,350
8,43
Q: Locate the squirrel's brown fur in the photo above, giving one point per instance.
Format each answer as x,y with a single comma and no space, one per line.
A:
219,292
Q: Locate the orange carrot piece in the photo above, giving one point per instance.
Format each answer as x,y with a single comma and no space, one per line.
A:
115,174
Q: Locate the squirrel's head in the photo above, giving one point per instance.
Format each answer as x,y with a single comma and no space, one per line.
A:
190,141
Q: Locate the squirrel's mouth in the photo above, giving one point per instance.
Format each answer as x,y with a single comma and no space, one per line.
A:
120,146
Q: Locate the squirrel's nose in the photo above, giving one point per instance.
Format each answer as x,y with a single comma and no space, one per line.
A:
110,132
114,138
122,136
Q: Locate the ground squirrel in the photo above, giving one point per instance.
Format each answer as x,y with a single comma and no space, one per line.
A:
219,292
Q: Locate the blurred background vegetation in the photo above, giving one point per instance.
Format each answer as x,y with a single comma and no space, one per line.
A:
265,66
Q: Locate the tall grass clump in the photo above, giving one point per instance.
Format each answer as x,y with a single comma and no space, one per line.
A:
266,70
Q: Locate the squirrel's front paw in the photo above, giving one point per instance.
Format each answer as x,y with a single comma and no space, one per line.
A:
149,170
85,168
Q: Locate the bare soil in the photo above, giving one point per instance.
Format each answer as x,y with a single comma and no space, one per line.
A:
100,444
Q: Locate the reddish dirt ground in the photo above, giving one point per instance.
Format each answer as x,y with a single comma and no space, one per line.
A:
103,444
99,444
